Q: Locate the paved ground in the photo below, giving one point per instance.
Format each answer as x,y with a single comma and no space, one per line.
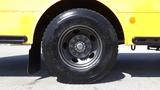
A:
139,70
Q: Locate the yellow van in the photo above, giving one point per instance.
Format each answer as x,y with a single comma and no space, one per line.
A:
79,38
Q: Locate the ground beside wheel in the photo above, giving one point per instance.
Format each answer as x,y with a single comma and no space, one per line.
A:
137,70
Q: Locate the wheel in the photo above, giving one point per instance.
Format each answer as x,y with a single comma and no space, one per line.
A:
79,46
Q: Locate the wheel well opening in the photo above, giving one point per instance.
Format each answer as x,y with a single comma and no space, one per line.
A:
64,5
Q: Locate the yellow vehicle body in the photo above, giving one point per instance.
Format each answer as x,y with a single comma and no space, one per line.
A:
88,56
137,18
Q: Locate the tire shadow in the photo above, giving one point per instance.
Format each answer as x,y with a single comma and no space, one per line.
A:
139,64
135,64
17,66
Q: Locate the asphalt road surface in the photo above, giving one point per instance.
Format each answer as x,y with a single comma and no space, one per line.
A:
134,70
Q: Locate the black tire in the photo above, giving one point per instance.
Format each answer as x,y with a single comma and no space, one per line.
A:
57,51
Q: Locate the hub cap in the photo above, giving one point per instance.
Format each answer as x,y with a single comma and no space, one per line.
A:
80,47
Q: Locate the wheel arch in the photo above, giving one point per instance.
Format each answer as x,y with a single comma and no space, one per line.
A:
62,6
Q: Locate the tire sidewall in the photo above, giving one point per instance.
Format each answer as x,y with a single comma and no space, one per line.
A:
79,17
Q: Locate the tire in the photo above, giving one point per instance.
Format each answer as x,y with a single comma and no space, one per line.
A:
79,46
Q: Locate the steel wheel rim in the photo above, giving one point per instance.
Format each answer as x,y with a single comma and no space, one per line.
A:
88,47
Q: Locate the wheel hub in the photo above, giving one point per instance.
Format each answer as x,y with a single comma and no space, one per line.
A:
80,46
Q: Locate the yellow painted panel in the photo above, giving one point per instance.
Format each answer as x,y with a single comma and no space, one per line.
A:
18,24
146,25
145,12
25,5
133,5
19,17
